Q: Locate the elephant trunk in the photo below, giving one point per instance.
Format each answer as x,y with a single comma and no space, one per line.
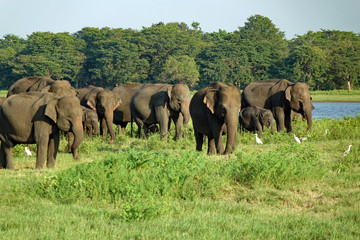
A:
186,113
96,127
78,132
231,122
308,116
109,117
272,126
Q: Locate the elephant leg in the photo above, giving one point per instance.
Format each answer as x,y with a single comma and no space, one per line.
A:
6,157
52,150
70,140
163,120
178,120
199,140
258,126
280,119
217,133
141,127
211,146
42,148
288,121
103,128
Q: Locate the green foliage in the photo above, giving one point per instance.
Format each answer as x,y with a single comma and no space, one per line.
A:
180,69
138,184
282,166
175,52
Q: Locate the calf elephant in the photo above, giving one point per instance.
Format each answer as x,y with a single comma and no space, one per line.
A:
37,118
280,96
159,103
90,121
104,102
42,84
214,112
254,118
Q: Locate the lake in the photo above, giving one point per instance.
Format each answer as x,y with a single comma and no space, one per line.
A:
335,109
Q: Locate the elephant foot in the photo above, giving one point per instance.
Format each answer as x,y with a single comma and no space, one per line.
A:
111,141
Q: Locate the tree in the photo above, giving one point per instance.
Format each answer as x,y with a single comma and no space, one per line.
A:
181,69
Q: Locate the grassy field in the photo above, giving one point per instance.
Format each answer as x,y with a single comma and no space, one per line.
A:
336,96
164,189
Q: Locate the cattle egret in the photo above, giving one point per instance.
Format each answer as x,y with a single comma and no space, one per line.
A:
325,132
28,153
297,139
258,140
303,138
347,151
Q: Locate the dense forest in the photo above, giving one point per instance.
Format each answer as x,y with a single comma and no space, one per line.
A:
176,52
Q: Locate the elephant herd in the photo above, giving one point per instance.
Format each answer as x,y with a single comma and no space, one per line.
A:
37,108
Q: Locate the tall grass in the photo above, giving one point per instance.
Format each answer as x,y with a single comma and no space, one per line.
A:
153,188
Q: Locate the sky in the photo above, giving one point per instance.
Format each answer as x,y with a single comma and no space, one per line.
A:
293,17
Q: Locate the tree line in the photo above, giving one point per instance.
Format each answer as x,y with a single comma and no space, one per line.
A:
178,53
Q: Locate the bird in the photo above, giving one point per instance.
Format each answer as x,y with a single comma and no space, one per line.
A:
325,132
347,151
28,153
303,138
297,139
258,140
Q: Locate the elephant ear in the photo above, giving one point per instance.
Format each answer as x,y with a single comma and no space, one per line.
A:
50,110
288,93
117,102
173,101
91,102
210,99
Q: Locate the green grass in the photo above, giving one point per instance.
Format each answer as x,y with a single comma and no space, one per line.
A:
152,189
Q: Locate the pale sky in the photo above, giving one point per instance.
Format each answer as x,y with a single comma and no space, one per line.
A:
294,17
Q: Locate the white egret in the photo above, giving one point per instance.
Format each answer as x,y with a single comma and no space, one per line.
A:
258,140
325,132
297,139
28,153
303,138
347,151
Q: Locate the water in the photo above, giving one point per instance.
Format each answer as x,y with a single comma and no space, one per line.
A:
335,109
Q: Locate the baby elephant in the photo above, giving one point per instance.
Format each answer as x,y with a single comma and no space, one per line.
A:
254,118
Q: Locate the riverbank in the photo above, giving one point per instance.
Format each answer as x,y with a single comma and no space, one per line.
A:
335,96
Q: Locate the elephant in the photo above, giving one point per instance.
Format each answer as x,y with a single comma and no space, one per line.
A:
254,118
214,112
122,114
36,117
90,121
42,84
280,96
159,103
104,102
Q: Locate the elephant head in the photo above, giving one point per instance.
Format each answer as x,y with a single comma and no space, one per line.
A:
104,103
61,88
298,97
267,119
224,102
179,101
66,112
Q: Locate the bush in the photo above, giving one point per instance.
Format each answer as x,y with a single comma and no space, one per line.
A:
138,183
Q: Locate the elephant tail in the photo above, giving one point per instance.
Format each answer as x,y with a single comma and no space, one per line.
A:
131,125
